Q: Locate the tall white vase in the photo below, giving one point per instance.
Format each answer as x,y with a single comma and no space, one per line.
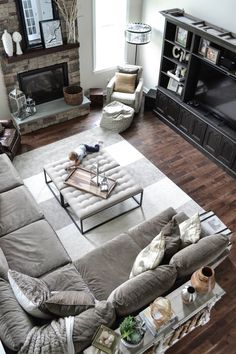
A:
7,43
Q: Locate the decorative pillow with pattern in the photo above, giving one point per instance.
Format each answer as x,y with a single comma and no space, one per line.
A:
69,303
190,230
150,257
31,293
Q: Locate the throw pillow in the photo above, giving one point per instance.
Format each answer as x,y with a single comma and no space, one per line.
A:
190,230
3,266
125,82
31,293
150,257
126,70
69,303
199,254
172,240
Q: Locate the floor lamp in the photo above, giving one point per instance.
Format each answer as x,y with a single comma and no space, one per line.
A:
138,34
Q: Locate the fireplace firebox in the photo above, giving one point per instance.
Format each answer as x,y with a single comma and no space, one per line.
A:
45,84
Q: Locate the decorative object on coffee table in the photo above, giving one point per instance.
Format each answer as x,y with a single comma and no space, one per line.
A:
106,340
203,280
161,311
132,330
73,95
188,294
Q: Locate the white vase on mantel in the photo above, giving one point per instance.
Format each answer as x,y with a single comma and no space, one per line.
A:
7,43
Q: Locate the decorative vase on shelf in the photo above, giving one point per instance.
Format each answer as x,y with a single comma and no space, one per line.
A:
203,280
7,43
17,39
188,294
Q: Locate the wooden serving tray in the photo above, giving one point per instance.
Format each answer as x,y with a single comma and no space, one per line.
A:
80,178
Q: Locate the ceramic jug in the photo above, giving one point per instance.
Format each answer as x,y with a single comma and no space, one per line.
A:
188,294
7,43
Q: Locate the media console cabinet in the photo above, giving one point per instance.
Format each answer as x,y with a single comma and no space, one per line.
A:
194,50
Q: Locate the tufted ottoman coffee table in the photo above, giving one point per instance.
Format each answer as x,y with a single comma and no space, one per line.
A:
82,205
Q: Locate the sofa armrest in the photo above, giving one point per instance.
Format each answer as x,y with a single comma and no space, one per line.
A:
110,89
140,291
7,123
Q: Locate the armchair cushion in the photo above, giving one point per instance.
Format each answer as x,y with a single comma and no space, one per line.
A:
125,83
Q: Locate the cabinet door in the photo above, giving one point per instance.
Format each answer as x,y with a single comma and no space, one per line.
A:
186,120
198,130
161,103
227,151
212,141
172,113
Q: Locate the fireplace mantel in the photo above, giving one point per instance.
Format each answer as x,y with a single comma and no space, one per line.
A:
34,53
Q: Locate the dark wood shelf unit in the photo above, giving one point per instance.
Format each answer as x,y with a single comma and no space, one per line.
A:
33,53
181,112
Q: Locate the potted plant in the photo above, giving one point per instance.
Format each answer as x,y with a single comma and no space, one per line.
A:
132,331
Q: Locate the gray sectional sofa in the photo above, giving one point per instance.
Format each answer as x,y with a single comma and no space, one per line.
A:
29,245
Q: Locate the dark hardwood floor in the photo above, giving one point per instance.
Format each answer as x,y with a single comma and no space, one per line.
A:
209,185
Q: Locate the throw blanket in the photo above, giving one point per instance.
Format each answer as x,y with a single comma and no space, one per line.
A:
53,338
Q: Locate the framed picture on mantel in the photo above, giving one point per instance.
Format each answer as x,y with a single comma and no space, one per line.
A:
51,33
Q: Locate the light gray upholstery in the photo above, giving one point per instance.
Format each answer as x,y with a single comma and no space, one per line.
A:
131,99
117,117
9,178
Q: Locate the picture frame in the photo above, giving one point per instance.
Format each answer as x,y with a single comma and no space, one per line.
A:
203,45
172,85
182,36
179,90
51,33
212,54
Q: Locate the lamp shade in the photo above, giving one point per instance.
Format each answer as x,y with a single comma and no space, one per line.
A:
138,33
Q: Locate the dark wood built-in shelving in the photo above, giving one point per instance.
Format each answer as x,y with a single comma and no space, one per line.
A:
37,52
179,109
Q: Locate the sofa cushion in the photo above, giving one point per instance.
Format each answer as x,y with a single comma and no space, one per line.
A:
34,249
199,254
18,208
31,293
15,324
3,266
9,177
150,257
108,266
190,230
125,82
144,233
139,291
69,303
87,323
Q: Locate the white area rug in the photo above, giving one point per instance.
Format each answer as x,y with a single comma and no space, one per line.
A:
159,191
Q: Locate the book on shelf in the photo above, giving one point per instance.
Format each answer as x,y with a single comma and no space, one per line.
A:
147,318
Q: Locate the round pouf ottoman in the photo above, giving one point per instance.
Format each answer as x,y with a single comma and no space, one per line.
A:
116,116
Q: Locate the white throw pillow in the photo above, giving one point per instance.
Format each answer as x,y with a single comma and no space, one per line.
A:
150,257
31,293
190,230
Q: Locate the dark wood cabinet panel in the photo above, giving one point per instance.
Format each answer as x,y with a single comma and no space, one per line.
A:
212,141
161,102
172,112
186,121
227,151
198,130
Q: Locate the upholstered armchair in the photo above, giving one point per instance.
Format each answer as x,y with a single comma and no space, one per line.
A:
120,87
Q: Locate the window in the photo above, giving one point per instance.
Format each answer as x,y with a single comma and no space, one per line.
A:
109,28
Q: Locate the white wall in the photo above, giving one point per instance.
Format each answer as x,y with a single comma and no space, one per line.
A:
88,77
221,14
4,110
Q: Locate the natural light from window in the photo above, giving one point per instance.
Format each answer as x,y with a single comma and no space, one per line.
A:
109,27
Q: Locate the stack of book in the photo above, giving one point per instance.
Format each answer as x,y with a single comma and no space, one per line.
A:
147,318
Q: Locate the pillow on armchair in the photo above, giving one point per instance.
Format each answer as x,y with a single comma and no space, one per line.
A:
125,82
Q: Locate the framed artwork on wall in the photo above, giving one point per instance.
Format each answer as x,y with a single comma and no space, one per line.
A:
51,33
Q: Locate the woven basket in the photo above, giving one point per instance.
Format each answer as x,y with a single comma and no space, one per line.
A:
73,95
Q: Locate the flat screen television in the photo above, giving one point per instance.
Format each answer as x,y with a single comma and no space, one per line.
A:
216,93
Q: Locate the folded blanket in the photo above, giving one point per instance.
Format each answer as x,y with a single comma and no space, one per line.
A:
53,338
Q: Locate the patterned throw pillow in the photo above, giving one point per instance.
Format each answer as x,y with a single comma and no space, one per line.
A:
190,230
69,303
150,257
31,293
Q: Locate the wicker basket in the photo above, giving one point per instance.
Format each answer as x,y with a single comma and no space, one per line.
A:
73,95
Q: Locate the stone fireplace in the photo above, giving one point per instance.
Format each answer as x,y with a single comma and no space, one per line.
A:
56,66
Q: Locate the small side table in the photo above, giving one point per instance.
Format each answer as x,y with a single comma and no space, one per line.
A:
150,98
96,97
